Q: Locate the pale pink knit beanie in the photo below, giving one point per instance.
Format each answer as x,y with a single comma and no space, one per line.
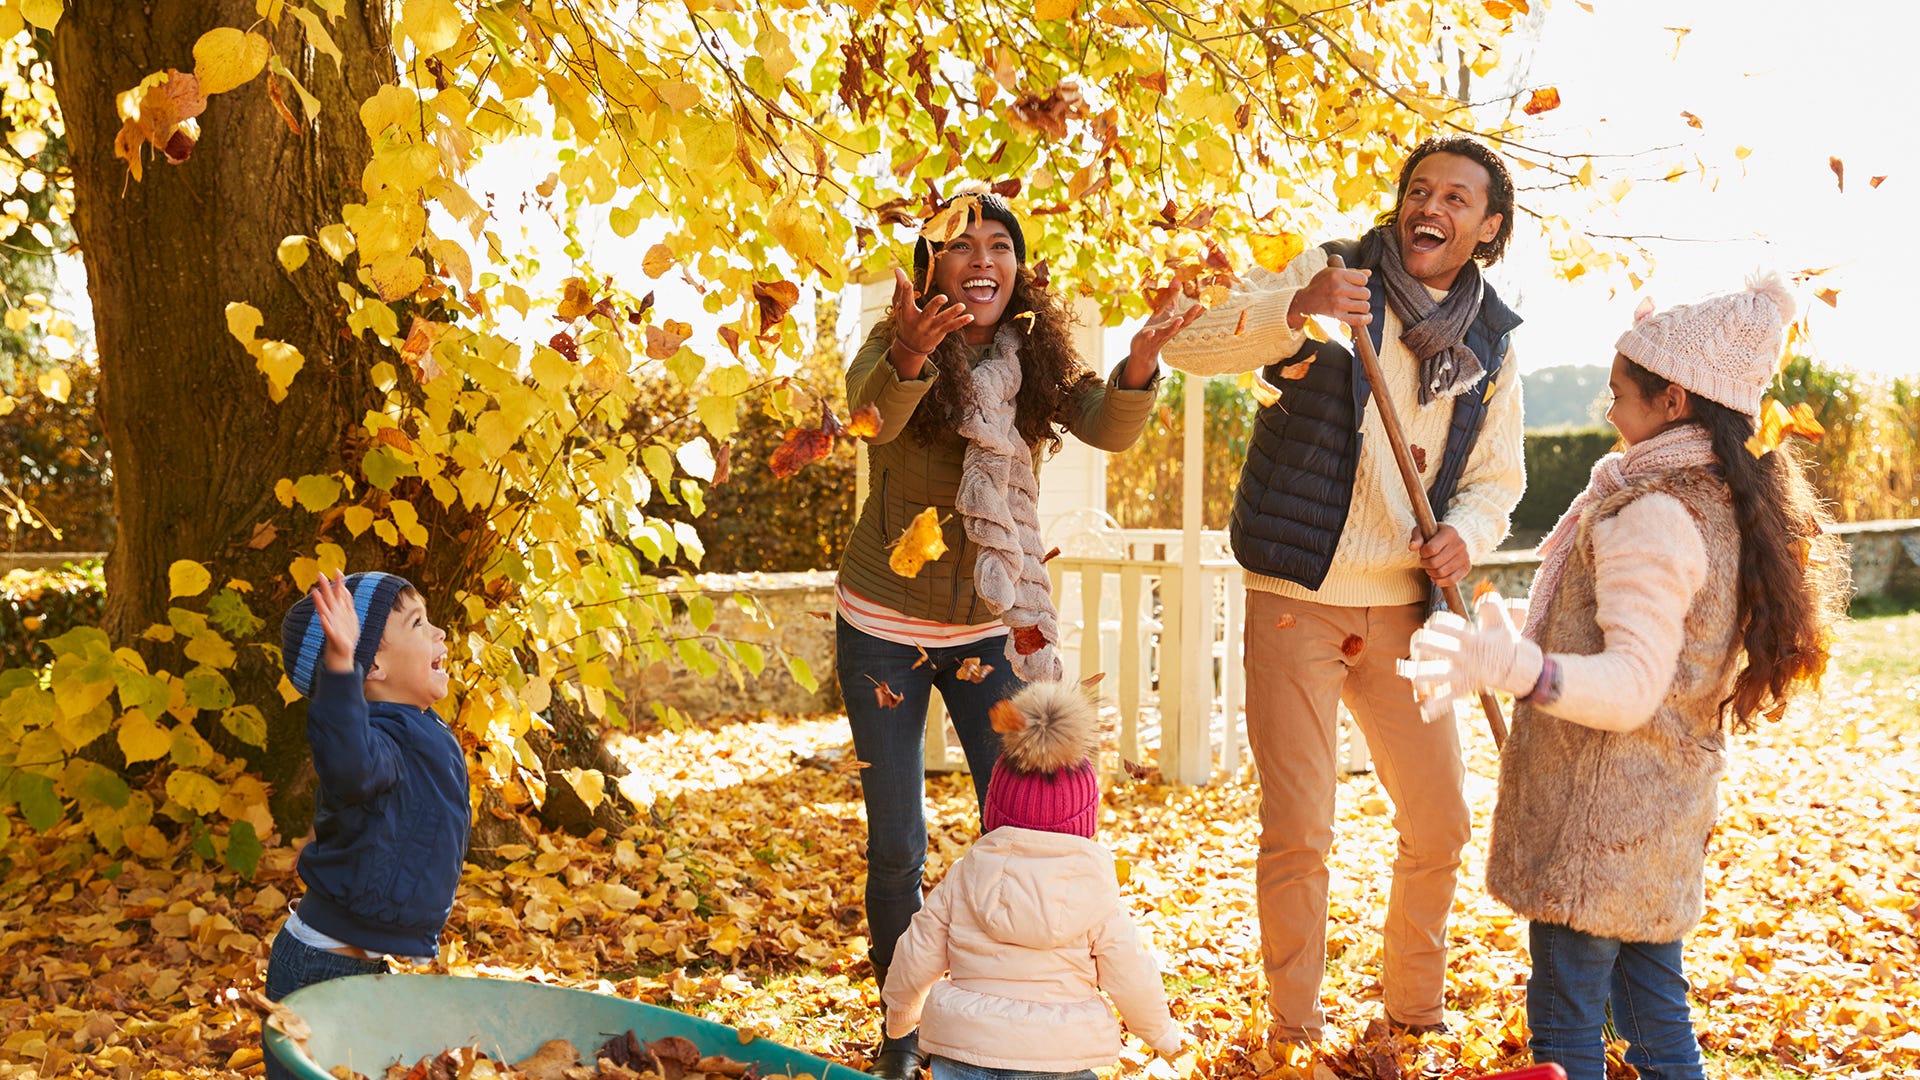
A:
1724,348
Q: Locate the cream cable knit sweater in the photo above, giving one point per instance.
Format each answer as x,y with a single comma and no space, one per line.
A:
1372,565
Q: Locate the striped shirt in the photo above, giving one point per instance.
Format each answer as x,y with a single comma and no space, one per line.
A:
878,620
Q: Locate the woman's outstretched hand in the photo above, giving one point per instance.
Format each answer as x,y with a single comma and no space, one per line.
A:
919,330
1143,355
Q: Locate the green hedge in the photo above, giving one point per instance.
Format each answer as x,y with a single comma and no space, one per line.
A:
39,604
1558,465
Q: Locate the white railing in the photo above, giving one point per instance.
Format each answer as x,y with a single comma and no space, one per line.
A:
1118,618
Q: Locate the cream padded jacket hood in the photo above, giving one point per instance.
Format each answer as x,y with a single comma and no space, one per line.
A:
1005,965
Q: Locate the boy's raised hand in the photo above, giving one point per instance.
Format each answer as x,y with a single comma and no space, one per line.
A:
333,606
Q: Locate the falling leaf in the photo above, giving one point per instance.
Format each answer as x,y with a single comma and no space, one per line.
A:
1482,590
1286,620
1876,181
920,543
972,670
263,535
1351,647
1005,718
1419,457
1692,120
1138,771
1052,554
1679,35
1240,326
1545,99
950,221
1839,172
658,260
924,658
800,448
1499,9
863,422
1298,370
1777,422
826,615
1028,640
1830,297
1265,394
1273,251
1092,680
722,464
884,694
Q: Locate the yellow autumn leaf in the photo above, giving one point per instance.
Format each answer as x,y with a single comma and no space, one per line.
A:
658,260
42,13
292,253
589,784
195,791
141,739
921,543
1274,251
1049,10
55,383
187,578
226,57
397,276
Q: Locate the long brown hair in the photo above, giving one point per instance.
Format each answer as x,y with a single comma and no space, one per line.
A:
1051,371
1792,570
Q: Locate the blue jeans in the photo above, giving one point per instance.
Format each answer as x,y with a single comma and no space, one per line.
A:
1577,977
893,744
293,964
949,1069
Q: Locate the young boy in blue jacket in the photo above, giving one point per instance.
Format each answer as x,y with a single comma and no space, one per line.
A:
392,812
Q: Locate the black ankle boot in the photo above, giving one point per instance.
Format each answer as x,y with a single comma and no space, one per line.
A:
898,1059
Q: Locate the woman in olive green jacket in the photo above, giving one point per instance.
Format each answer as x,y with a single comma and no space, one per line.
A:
973,383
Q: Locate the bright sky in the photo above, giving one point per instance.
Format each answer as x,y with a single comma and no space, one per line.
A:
1797,84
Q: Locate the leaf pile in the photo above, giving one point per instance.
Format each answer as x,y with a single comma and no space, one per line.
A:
623,1057
738,897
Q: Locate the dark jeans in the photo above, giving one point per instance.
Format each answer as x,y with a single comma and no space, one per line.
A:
893,744
1577,977
293,964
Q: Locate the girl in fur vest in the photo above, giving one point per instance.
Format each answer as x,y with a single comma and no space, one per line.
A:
1002,970
1684,592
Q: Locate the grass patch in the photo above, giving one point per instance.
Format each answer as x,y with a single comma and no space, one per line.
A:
1878,644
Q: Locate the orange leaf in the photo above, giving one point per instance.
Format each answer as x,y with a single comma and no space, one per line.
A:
1839,172
664,341
1545,99
972,670
924,658
1092,680
1285,621
1481,590
864,423
395,438
1830,297
1050,555
1777,422
1139,771
1351,647
884,694
1876,181
920,543
280,104
1240,327
1419,457
575,300
801,447
1028,640
1005,718
1295,371
1692,120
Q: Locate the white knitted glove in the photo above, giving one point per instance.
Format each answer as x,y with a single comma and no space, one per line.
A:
1450,657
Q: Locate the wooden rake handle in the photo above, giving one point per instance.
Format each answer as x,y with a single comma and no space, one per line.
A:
1416,492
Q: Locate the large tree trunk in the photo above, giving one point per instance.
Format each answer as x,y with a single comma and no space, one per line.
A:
197,444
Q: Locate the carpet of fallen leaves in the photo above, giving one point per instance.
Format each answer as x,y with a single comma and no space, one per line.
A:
738,897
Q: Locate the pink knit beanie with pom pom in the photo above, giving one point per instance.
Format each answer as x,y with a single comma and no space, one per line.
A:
1044,779
1724,348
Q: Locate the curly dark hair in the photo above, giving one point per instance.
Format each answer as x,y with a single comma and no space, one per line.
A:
1051,370
1499,187
1792,569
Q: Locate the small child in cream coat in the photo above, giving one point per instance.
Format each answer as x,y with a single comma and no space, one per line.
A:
1002,970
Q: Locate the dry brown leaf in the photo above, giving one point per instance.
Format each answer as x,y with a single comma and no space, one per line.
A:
1286,620
1545,99
1297,370
1028,640
1006,719
884,694
1351,647
972,670
924,658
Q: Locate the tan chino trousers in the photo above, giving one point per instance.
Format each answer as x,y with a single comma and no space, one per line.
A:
1298,670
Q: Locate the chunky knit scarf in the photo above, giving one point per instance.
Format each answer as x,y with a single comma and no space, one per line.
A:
1434,332
999,505
1687,446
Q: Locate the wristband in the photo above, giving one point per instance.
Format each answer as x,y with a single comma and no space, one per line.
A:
1546,689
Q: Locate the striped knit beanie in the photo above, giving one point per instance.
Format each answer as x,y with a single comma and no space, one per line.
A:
303,640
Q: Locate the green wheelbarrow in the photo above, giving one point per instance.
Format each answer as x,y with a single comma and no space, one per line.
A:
368,1022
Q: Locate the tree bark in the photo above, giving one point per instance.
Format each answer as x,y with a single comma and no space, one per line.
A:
197,443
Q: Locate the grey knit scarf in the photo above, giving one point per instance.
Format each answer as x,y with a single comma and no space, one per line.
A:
999,505
1434,332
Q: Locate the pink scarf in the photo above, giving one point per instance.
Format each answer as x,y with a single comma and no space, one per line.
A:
1686,446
